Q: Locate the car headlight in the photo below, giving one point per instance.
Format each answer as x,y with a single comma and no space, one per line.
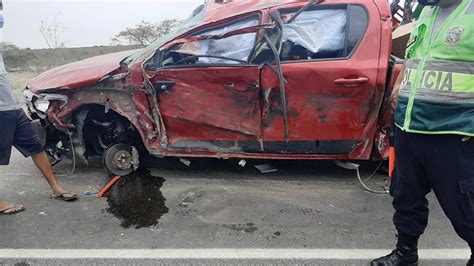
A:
41,104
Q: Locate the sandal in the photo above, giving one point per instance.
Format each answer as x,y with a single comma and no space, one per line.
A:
14,209
65,196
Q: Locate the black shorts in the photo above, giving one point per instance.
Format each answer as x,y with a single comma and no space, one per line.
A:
16,130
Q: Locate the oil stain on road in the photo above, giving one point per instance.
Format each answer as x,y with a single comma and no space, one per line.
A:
137,200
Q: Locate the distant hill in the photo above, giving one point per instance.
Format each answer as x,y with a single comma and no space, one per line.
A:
39,60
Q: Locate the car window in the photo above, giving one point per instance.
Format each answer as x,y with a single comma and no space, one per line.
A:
357,26
231,50
324,33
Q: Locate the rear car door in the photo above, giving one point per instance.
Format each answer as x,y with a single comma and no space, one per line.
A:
330,64
210,97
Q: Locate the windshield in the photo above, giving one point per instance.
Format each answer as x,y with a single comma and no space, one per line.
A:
196,18
229,50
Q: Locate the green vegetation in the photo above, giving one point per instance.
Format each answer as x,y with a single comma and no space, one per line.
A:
39,60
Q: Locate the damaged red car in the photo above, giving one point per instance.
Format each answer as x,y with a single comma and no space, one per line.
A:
283,79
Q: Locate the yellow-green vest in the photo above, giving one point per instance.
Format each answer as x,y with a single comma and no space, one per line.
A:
437,92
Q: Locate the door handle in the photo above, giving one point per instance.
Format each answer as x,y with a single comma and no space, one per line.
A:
164,86
229,85
352,82
253,86
250,86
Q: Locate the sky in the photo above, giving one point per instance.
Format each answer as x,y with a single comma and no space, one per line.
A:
87,22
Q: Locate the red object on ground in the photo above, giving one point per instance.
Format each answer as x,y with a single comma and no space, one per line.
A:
108,186
391,163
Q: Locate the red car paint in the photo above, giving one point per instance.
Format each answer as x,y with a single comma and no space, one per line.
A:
337,109
78,74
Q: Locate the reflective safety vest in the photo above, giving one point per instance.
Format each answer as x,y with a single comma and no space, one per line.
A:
437,91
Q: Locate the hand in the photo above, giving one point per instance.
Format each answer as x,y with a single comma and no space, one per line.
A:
393,102
396,90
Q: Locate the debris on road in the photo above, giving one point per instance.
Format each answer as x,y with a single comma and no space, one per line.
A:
108,186
185,161
356,167
266,168
243,163
89,193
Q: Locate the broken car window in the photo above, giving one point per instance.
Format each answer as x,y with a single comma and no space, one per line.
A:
323,33
315,34
230,50
193,20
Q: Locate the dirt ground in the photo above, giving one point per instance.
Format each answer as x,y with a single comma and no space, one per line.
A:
19,80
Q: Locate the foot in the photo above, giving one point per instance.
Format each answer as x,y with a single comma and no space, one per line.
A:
63,194
10,208
397,258
66,196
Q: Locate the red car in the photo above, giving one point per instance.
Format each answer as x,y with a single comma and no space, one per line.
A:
282,79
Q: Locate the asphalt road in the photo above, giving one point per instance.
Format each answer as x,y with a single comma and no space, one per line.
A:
211,212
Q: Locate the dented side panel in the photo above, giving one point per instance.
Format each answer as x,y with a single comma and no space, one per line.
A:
129,103
214,103
322,109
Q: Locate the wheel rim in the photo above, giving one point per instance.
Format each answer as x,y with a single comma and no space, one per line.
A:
119,159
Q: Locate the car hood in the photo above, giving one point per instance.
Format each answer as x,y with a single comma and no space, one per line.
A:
78,74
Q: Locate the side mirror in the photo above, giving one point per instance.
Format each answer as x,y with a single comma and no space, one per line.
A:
153,63
150,66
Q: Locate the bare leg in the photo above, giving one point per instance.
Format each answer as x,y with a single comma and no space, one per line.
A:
42,162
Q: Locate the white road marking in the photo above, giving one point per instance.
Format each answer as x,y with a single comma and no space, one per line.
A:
235,254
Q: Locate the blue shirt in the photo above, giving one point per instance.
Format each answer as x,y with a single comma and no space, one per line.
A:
8,101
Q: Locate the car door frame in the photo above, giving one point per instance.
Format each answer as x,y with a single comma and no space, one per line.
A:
215,136
325,146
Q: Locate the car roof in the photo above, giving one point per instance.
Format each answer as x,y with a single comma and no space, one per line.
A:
221,9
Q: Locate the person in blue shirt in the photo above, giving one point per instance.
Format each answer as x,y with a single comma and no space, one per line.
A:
18,132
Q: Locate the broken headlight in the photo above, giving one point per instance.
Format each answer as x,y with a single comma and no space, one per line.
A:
41,104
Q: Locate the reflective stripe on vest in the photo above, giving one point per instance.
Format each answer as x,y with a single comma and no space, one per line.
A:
409,76
441,81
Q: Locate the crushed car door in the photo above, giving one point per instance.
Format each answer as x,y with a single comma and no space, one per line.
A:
207,90
330,68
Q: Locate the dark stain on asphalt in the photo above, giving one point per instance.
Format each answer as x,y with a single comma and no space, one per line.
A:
247,228
23,263
137,200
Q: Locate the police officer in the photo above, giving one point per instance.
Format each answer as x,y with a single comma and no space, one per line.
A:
434,120
16,130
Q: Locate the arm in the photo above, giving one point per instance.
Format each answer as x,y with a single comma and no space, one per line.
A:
396,90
